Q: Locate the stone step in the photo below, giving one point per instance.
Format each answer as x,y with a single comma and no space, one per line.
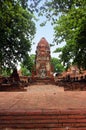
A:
44,81
49,119
48,129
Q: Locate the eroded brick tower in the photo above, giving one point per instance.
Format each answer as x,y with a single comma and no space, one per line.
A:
43,66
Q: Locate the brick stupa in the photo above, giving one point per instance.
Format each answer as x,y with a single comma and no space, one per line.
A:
43,68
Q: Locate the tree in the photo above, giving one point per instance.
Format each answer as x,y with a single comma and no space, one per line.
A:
80,54
56,63
25,71
70,27
31,5
52,8
27,65
16,32
24,3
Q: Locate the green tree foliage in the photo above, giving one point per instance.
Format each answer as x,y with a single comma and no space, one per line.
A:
33,5
6,72
27,65
16,32
56,63
24,3
65,55
70,27
25,71
52,8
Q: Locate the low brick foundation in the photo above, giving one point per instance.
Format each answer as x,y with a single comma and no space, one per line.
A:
48,80
72,83
72,86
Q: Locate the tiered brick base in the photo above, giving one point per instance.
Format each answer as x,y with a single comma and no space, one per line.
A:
72,86
47,80
44,120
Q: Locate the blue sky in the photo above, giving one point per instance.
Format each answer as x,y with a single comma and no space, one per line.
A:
45,31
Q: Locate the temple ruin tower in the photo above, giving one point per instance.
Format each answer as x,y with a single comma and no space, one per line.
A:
43,66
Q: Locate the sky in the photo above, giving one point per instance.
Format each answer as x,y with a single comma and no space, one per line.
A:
45,31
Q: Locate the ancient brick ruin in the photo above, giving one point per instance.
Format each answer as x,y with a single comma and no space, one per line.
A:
72,80
43,68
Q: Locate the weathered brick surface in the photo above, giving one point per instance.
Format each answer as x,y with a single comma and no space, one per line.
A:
72,85
54,119
46,107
